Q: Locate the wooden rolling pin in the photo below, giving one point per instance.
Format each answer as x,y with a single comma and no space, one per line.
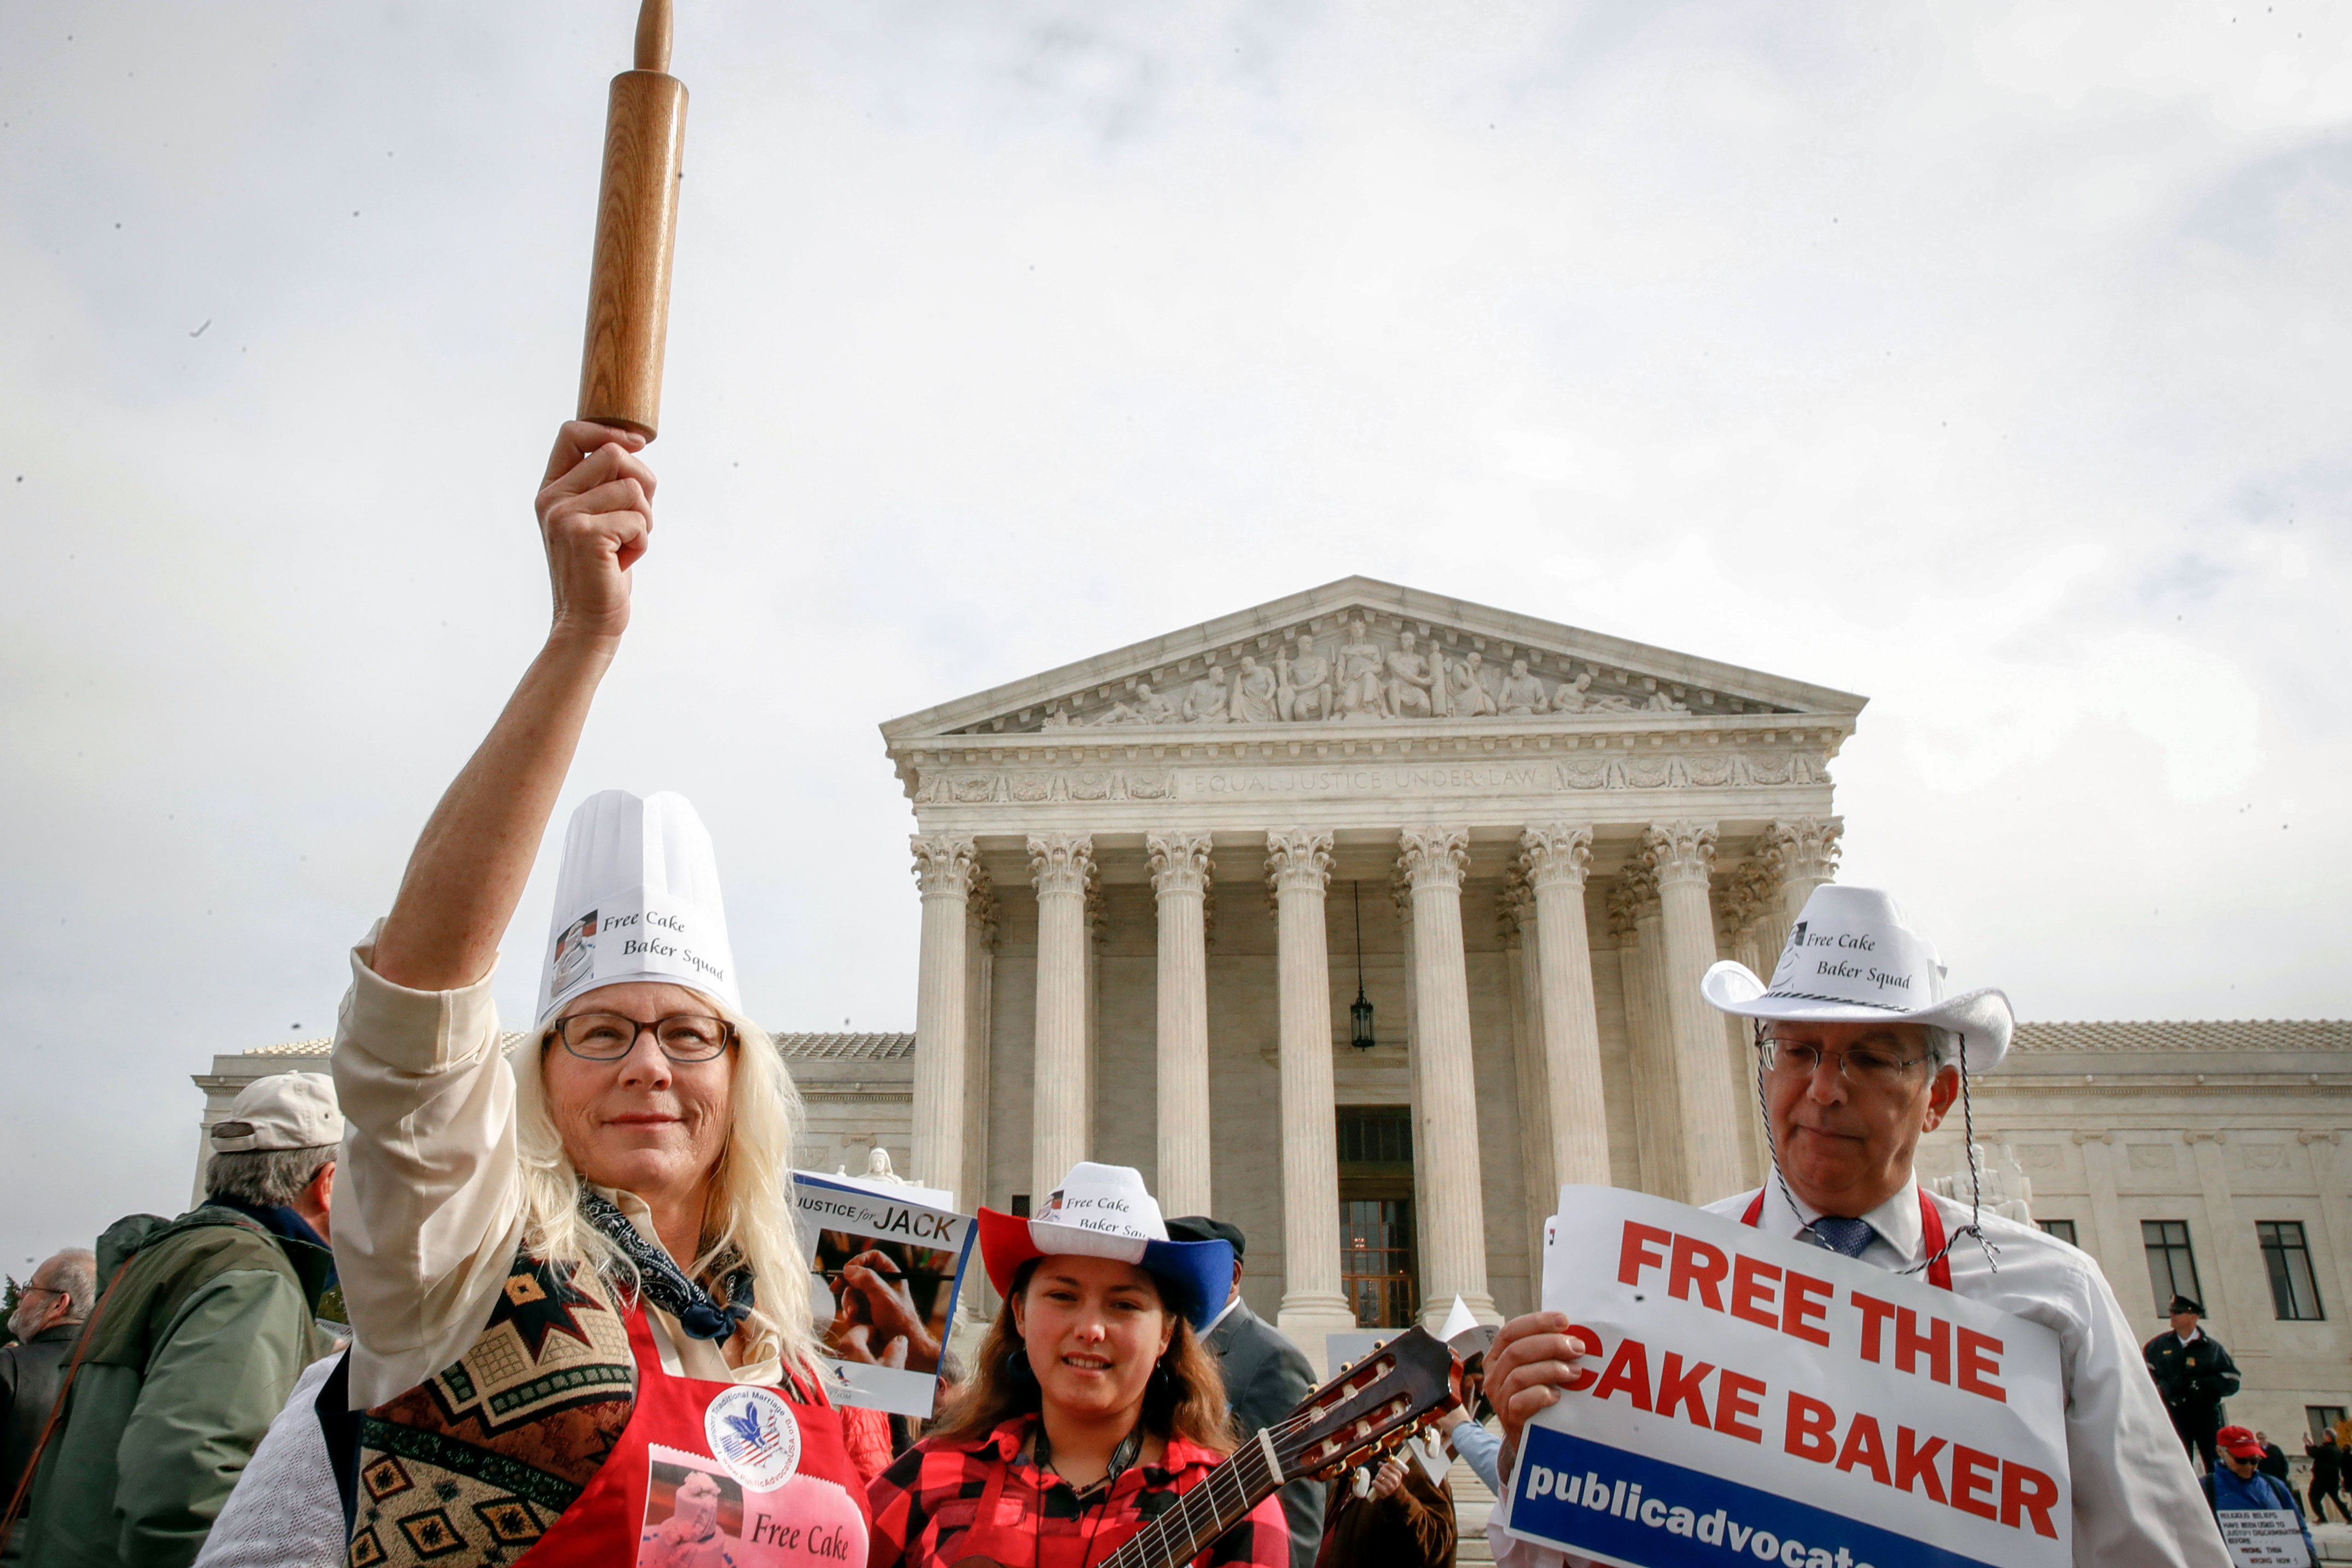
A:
637,224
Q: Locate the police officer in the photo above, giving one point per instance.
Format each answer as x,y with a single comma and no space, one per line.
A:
2194,1374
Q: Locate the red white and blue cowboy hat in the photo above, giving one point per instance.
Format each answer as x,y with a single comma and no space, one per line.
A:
1852,957
1104,1211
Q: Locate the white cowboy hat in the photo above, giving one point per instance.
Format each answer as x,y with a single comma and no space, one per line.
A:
1104,1211
1853,958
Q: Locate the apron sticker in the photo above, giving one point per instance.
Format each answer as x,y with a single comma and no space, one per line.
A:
694,1518
755,1436
700,1515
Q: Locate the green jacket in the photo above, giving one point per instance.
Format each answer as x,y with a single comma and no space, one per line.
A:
189,1358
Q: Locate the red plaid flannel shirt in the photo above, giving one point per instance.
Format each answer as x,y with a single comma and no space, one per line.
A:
924,1503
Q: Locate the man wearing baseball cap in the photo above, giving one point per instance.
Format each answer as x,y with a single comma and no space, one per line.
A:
2193,1372
1856,1061
2239,1486
203,1326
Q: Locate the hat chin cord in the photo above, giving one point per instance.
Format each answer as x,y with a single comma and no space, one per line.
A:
1976,1188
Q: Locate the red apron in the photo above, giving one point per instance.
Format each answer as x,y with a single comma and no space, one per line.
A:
1931,1235
707,1475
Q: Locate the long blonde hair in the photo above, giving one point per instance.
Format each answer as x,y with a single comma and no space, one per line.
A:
749,1218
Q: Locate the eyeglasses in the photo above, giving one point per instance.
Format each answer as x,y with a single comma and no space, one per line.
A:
608,1037
1871,1066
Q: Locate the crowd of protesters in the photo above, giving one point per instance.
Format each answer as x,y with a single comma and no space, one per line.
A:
577,1313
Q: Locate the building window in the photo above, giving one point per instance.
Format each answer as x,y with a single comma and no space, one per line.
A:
2064,1230
1376,1135
2323,1418
1376,1265
2293,1292
2171,1267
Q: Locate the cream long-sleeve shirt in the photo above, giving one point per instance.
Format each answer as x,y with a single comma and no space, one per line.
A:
428,1193
2136,1501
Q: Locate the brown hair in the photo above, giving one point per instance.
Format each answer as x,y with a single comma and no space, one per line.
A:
1184,1398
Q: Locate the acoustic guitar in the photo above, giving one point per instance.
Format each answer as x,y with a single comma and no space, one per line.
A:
1369,1408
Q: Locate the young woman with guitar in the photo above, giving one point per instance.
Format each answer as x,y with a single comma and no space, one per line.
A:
1095,1433
1094,1406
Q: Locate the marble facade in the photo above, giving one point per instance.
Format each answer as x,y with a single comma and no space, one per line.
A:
1166,861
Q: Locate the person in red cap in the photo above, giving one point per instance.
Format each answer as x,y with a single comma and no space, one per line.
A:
2239,1487
1093,1400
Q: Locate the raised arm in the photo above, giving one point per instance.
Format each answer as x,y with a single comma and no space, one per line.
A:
467,874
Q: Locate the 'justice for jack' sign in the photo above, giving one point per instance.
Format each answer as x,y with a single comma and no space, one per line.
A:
1750,1397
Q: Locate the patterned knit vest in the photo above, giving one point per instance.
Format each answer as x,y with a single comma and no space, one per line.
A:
473,1465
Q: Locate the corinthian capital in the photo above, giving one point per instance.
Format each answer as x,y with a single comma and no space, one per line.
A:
1679,851
1179,862
981,909
1061,862
944,863
1515,908
1805,847
1634,895
1557,854
1754,889
1298,859
1433,857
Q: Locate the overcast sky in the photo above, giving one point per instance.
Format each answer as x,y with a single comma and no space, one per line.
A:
1991,360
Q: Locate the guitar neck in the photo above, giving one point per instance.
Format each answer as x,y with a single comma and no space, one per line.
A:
1201,1515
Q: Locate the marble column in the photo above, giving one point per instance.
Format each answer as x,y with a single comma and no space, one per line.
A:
1453,1196
1633,915
1299,864
978,1034
1800,854
943,870
1683,854
1179,874
1515,915
1753,895
1062,867
1558,856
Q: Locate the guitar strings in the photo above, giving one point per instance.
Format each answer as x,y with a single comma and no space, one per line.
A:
1229,1474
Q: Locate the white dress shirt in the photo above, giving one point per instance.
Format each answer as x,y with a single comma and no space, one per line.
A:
428,1191
2136,1501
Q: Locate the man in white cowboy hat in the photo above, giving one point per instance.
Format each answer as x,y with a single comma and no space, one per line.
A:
1860,1053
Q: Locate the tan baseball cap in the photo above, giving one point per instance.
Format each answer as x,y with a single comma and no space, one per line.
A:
283,1110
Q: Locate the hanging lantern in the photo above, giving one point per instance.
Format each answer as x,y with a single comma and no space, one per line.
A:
1360,1016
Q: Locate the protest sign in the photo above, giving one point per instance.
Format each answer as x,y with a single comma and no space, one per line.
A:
1749,1395
886,1276
2262,1537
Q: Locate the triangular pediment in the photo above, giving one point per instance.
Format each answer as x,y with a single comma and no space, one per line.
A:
1360,652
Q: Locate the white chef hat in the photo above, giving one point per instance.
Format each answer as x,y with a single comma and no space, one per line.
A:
637,899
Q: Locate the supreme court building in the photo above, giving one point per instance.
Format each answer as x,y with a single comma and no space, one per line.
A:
1156,883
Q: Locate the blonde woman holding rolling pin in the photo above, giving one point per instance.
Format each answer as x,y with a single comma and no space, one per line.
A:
581,1320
